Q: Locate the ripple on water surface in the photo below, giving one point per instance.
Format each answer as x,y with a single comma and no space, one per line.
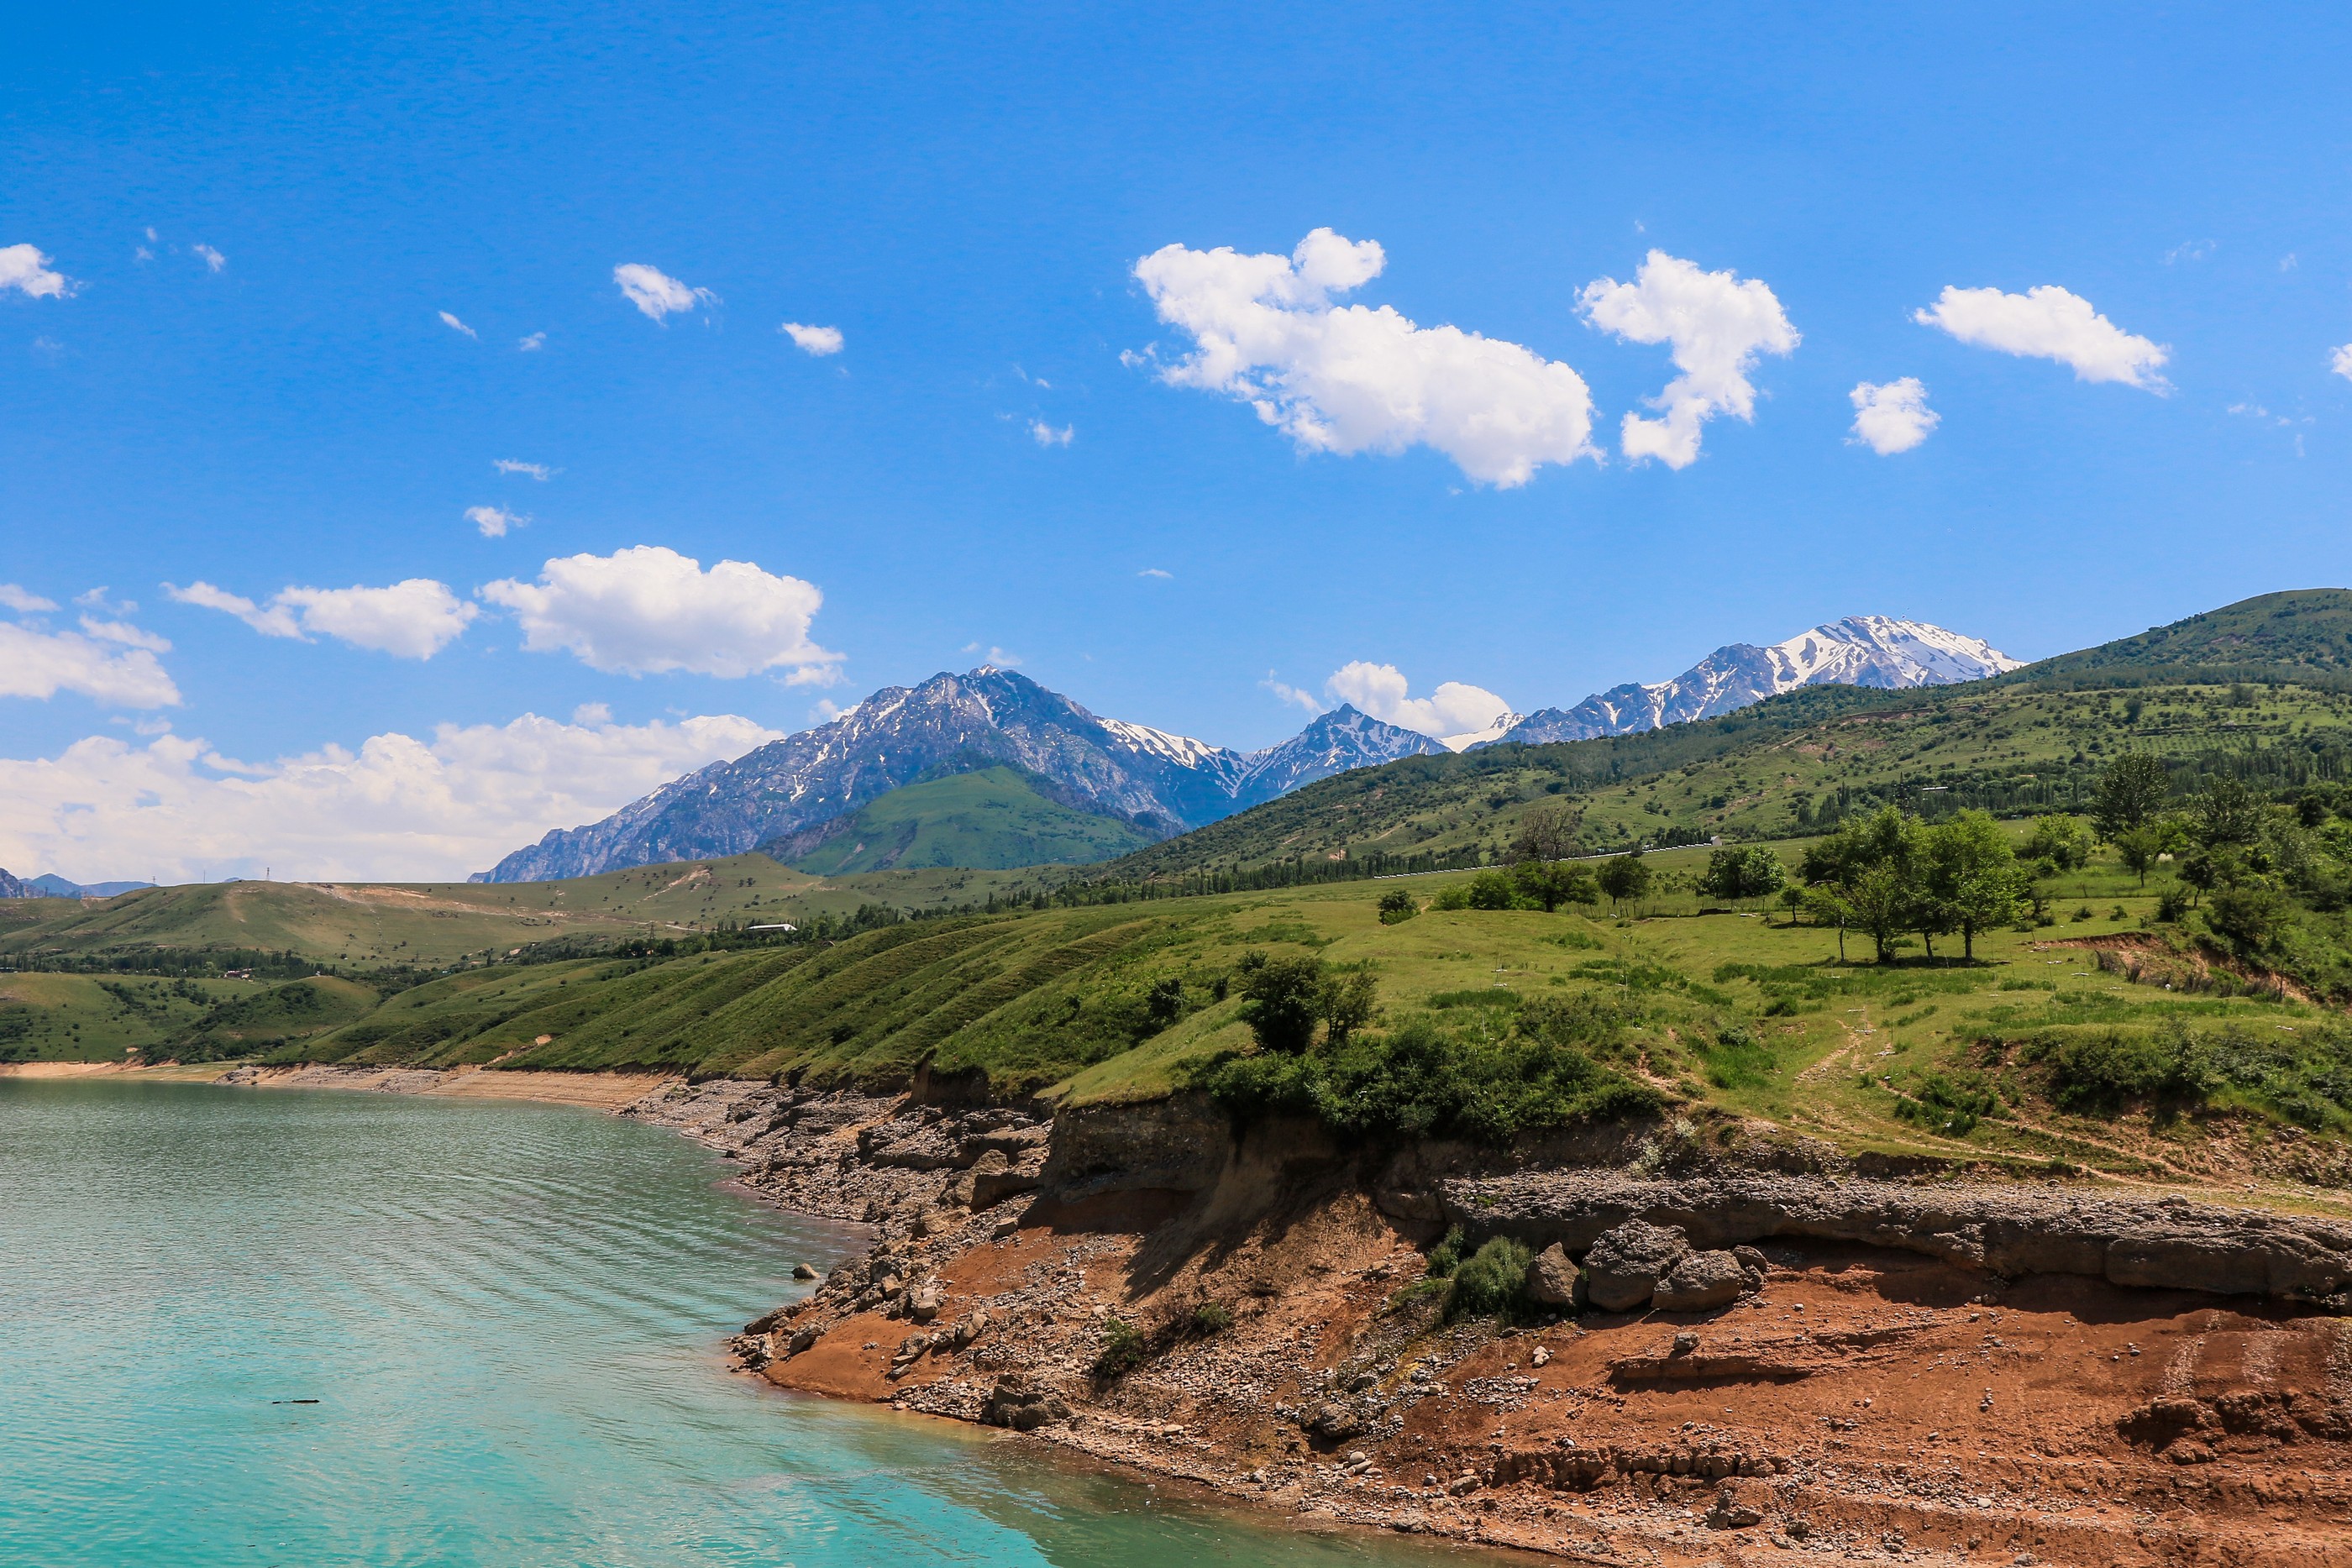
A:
509,1315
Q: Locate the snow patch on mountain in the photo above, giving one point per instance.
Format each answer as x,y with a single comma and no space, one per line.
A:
1859,651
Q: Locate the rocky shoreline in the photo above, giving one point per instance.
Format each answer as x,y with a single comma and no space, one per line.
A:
1755,1362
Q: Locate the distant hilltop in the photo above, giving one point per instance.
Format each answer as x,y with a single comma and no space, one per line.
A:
49,884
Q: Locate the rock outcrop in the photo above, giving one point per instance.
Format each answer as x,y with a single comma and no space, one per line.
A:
2168,1243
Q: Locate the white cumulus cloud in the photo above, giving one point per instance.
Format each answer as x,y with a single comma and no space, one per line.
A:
398,807
817,340
456,326
23,268
214,260
2341,362
1454,709
2048,322
494,521
1045,434
1347,379
110,663
1892,416
1716,322
649,611
414,619
18,598
657,293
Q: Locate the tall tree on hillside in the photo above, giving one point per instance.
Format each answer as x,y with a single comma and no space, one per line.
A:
2132,789
1971,876
1625,879
1548,832
1745,872
1867,874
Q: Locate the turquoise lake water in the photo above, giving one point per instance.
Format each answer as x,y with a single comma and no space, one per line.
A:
511,1317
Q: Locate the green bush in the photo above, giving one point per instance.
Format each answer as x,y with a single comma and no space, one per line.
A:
1419,1081
1124,1349
1397,904
2095,1074
1492,1282
1211,1318
1446,1256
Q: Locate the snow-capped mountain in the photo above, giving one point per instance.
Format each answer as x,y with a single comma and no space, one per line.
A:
1859,651
1341,739
1163,783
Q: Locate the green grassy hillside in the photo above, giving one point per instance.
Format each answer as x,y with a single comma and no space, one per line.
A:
2306,633
992,819
2040,1051
360,928
1787,766
89,1018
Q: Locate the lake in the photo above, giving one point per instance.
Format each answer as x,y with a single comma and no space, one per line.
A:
510,1318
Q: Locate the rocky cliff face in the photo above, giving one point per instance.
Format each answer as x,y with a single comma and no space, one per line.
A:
1926,1371
1162,783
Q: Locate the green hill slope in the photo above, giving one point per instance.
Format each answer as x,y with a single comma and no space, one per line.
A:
2306,634
2250,689
991,819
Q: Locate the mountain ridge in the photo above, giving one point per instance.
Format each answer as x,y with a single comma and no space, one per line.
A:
1876,651
1157,781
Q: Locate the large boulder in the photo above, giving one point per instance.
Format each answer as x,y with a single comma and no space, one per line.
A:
1551,1277
1701,1282
1624,1268
1012,1403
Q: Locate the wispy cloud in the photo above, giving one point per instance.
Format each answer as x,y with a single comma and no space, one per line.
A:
494,521
532,344
2048,322
22,601
817,340
1155,571
456,326
538,471
655,293
1287,693
214,260
108,663
2189,250
411,620
1045,434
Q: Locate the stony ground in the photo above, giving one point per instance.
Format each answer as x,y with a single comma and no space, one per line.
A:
1866,1405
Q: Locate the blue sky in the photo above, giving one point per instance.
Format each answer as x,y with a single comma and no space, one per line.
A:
964,195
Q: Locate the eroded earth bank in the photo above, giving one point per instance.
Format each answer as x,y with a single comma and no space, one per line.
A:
1761,1354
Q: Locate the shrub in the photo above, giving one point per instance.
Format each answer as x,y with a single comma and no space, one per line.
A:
2099,1072
1211,1318
1446,1256
1283,1001
1397,904
1418,1080
1497,890
1455,897
1492,1282
1124,1349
